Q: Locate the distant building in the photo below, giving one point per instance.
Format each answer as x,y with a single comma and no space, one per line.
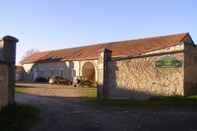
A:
164,65
20,73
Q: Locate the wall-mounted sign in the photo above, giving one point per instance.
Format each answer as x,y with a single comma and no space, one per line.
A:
168,62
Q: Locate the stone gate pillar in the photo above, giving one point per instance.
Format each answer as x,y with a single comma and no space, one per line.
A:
103,61
9,56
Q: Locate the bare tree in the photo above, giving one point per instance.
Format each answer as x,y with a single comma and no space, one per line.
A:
29,53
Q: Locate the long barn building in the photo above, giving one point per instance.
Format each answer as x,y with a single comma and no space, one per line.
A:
164,65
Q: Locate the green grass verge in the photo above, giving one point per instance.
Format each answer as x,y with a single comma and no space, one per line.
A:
86,92
161,102
157,102
20,89
18,118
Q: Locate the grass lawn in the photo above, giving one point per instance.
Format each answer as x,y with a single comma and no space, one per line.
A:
159,102
88,92
18,118
20,89
162,102
85,92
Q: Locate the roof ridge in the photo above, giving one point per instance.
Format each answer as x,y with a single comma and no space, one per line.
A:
124,47
116,42
146,38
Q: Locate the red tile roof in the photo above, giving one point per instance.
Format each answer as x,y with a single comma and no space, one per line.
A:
119,49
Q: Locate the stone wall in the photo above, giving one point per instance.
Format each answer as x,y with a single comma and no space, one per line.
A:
190,69
179,47
139,78
104,73
3,85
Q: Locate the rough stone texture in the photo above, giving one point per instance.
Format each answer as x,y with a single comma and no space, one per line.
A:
103,73
190,69
7,70
9,50
3,85
179,47
139,78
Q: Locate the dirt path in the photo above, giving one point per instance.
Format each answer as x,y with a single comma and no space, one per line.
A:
72,114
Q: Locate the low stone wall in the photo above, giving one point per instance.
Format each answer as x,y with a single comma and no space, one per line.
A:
139,78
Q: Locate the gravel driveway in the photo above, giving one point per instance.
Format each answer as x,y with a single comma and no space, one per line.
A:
74,114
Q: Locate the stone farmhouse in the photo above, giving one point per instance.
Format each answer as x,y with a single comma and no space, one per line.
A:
7,70
131,69
20,73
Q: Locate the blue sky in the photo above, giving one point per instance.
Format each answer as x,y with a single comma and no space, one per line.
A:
55,24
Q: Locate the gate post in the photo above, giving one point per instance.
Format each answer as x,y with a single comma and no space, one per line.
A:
9,54
103,61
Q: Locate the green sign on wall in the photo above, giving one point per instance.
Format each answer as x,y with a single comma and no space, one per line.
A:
168,62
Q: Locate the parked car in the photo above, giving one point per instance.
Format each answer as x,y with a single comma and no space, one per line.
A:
41,79
81,82
59,80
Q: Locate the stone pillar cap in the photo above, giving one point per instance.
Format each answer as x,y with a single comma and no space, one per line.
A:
11,38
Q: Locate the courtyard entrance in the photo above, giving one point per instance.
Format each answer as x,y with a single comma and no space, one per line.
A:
88,71
63,109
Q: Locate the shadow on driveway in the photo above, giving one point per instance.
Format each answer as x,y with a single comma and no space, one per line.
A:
75,114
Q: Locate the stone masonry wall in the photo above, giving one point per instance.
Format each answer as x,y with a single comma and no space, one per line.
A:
3,85
7,70
139,78
190,69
